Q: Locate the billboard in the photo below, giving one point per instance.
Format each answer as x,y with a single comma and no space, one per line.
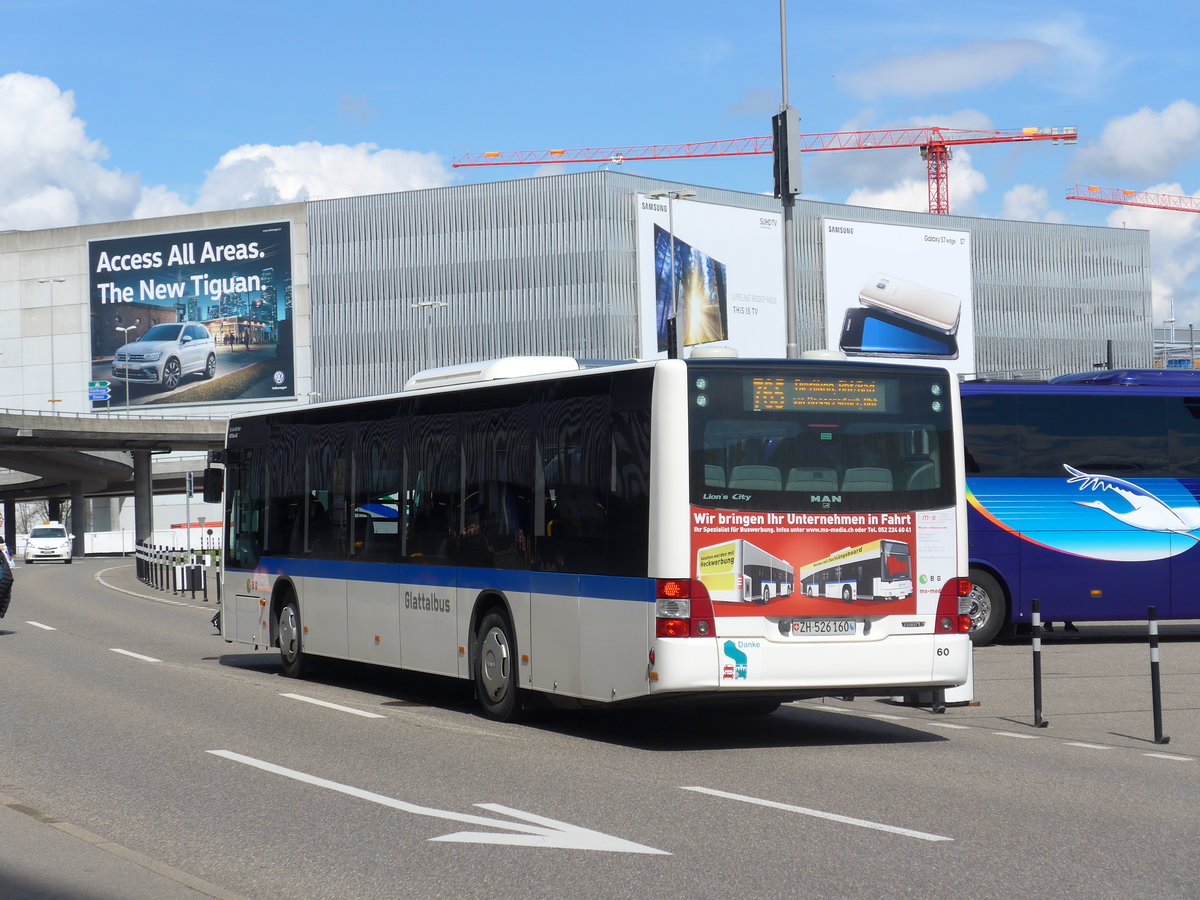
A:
899,292
192,316
721,267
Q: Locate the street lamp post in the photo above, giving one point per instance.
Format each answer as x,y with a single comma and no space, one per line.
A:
125,329
674,340
429,306
52,282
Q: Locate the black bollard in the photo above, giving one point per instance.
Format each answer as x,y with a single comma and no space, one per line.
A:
1155,686
1038,721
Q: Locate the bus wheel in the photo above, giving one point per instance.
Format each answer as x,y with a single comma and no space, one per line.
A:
291,647
986,607
496,669
847,594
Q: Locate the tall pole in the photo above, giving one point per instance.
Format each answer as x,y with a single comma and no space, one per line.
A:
125,329
787,185
52,282
673,322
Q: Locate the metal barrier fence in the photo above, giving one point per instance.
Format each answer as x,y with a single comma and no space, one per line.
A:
178,571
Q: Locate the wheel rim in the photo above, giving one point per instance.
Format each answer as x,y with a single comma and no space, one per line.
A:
171,374
212,366
979,607
494,664
289,633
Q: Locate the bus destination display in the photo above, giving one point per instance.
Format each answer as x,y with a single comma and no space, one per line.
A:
815,393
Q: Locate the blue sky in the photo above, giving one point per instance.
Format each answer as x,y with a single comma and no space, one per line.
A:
127,109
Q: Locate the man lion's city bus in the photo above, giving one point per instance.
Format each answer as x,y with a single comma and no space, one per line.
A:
539,528
1084,494
739,570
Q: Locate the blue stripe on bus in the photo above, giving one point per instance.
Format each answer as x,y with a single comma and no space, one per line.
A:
603,587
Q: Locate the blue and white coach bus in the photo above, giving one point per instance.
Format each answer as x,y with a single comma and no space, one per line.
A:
533,526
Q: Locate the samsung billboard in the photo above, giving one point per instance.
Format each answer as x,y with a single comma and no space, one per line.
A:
192,316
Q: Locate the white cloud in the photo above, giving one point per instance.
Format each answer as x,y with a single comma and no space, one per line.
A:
953,70
1146,144
262,174
52,174
1174,254
964,185
1028,203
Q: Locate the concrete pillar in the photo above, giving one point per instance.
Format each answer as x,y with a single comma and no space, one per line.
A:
54,509
79,518
143,496
10,525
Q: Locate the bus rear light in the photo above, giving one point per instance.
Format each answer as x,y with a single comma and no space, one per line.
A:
682,608
948,619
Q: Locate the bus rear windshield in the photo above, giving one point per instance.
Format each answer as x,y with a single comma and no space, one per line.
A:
798,437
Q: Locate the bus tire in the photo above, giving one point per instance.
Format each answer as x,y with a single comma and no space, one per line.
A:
496,668
291,640
987,608
847,594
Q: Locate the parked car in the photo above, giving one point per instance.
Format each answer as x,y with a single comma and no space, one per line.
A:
165,354
49,540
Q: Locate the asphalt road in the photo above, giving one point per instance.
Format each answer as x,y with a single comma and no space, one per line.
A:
141,756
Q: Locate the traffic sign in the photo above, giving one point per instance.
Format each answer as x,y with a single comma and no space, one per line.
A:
98,395
99,384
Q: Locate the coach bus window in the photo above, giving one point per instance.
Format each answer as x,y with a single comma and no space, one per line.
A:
1184,422
328,484
992,437
1097,434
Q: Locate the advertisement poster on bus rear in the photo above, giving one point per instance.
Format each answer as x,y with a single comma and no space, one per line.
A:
823,564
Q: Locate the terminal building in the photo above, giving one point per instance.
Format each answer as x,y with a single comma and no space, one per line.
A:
334,299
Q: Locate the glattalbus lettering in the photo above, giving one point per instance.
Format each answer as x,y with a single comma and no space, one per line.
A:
430,602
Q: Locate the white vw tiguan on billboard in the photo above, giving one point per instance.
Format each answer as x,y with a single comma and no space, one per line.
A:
165,354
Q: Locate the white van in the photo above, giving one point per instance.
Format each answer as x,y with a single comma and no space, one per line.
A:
48,541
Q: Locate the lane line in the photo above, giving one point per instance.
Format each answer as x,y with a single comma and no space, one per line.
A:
949,725
1086,746
833,817
315,702
1013,734
1170,756
887,717
41,626
134,655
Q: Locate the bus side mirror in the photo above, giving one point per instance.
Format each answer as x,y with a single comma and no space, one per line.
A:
213,481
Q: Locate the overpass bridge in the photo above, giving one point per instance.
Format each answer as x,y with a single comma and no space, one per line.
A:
77,455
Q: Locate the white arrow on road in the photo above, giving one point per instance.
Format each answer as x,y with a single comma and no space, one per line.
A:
546,833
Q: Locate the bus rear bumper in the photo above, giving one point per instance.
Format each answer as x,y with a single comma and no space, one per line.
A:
896,663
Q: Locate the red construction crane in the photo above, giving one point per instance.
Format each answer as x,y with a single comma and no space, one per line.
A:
934,143
1133,198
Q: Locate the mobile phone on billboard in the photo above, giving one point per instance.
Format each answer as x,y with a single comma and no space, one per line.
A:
908,299
876,332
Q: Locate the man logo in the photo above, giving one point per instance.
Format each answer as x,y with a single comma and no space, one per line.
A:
825,498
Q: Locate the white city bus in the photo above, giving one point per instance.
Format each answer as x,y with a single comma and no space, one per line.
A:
546,519
880,570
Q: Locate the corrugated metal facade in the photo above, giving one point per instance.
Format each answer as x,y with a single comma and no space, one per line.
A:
548,266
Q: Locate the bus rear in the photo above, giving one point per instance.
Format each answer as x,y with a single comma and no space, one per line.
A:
801,460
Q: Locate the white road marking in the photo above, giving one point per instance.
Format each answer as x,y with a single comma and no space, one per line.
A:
888,717
1014,734
948,725
1170,756
41,626
315,702
834,817
134,655
546,833
1086,746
